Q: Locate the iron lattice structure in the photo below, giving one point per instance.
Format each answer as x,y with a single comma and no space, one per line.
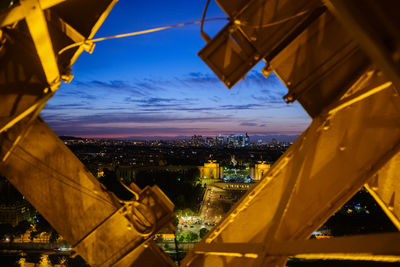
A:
339,59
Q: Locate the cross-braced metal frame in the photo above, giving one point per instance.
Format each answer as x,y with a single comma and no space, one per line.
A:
338,58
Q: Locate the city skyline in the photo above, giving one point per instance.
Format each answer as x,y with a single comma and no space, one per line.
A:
155,84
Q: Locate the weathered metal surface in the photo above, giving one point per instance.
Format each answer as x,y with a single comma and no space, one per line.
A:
127,228
55,182
148,254
258,29
316,176
384,186
230,55
323,69
19,12
30,63
374,25
319,65
372,247
37,24
103,229
354,135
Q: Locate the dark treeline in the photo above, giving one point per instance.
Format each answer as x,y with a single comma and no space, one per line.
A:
181,187
360,215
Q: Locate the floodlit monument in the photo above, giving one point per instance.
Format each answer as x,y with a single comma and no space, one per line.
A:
211,170
260,169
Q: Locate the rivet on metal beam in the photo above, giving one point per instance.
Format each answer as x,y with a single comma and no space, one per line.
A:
289,98
88,47
326,125
266,71
391,202
374,182
67,78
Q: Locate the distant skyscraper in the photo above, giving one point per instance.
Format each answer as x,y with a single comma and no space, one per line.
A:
219,139
274,142
240,141
246,140
197,140
210,141
231,139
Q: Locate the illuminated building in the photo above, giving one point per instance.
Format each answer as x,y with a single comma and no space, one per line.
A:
260,169
274,142
246,140
231,140
235,186
220,139
197,140
13,207
100,173
15,213
210,141
240,141
211,170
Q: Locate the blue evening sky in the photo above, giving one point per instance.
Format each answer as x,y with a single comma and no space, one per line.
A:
156,85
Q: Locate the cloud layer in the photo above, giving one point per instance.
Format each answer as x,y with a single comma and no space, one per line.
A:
195,103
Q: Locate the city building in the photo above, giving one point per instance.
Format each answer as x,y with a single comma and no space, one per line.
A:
231,140
246,140
210,141
219,139
260,169
211,170
197,140
240,141
14,213
13,207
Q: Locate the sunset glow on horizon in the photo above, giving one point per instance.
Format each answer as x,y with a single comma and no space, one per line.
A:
155,84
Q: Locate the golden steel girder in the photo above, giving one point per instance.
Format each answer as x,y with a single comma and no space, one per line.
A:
37,24
324,168
32,33
372,247
354,134
374,25
102,229
384,186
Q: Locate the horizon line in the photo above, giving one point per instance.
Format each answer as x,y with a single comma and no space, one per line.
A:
170,137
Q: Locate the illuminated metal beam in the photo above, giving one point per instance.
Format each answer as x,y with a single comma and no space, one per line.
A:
376,247
245,250
102,229
69,31
19,12
32,112
385,188
95,28
319,64
258,29
38,105
45,4
38,29
76,37
368,32
324,168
